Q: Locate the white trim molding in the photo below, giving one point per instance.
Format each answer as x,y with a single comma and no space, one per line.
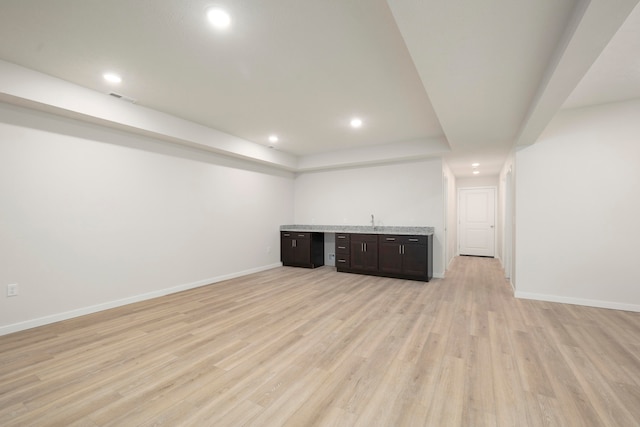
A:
58,317
578,301
439,275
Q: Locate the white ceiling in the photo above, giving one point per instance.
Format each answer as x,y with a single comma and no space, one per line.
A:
466,80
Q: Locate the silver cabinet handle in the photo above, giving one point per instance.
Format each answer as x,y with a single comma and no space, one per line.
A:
342,237
400,249
300,235
391,239
340,247
342,260
413,240
287,235
365,247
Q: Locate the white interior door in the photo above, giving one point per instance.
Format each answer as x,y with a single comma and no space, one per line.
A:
476,214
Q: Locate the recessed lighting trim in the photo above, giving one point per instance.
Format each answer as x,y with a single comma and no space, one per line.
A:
273,138
112,77
356,122
219,18
475,165
476,172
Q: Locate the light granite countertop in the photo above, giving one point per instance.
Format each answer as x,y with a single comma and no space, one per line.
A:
363,229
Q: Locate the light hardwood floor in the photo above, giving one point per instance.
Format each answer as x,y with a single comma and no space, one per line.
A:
297,347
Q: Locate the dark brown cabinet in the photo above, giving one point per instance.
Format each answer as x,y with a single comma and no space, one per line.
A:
301,249
400,256
405,256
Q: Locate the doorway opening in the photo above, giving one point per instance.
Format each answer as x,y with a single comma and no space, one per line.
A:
476,221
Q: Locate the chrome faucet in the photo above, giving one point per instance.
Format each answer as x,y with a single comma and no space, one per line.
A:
373,224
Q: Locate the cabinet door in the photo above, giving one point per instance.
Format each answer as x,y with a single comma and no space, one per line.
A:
390,257
287,249
302,250
364,252
414,261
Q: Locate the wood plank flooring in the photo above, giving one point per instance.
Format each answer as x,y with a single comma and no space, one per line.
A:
297,347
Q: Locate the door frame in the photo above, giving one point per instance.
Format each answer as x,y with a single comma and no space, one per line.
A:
495,212
507,246
445,193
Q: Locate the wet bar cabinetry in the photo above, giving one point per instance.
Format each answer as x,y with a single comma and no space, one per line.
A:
400,252
302,249
404,257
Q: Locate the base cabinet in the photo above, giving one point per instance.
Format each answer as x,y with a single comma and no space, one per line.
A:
405,256
400,256
301,249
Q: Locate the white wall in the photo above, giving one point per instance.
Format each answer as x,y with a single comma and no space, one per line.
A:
578,204
405,194
478,181
92,217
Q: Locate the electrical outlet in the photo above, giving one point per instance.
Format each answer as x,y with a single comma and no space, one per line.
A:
332,257
12,290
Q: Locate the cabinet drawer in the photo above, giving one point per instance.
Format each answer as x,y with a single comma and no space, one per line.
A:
295,234
342,247
342,260
342,244
416,240
402,239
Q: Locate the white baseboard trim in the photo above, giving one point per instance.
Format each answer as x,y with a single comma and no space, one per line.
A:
451,261
508,279
439,275
33,323
578,301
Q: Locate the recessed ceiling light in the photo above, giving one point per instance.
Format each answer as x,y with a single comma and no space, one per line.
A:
219,18
475,165
476,172
112,77
356,123
273,138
